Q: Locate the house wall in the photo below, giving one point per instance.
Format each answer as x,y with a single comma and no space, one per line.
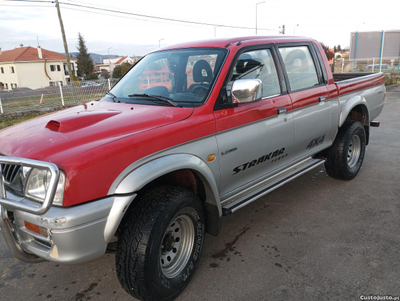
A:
8,78
32,74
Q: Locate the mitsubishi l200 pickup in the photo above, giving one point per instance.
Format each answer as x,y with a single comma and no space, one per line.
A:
192,133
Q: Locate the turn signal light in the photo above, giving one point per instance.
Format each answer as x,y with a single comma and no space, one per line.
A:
211,158
34,228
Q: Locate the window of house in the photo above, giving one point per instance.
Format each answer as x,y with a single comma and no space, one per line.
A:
58,68
12,69
300,67
52,67
2,70
6,86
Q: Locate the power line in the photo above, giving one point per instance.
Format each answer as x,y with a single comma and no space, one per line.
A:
153,17
139,15
24,5
114,15
37,1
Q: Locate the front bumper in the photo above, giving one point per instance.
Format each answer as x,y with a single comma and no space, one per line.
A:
74,235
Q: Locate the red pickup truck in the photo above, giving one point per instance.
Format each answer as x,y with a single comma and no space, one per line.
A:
191,133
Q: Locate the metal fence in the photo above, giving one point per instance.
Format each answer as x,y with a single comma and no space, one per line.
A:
24,100
344,65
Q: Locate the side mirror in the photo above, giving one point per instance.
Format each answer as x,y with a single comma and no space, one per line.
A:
246,90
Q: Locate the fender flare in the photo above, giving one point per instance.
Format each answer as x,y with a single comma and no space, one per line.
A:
139,174
349,105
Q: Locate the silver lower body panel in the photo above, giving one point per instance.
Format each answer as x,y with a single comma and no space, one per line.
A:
74,234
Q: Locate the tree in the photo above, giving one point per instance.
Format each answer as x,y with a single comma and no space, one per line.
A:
334,49
339,48
85,64
120,70
92,76
329,54
104,73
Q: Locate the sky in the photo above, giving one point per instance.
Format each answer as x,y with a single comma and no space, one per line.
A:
121,34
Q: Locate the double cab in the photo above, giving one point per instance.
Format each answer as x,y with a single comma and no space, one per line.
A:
193,132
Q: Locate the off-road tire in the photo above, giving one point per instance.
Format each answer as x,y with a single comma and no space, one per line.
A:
145,231
339,161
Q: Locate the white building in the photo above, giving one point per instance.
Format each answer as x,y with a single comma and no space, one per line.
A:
110,64
33,68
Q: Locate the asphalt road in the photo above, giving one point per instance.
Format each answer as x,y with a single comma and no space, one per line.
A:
316,238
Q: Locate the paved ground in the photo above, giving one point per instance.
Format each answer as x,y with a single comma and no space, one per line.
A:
314,239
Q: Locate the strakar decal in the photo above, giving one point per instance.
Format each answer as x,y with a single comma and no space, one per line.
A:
271,157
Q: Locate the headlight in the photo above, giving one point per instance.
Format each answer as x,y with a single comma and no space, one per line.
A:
38,183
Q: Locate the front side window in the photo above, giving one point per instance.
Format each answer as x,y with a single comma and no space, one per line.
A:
257,64
184,76
300,67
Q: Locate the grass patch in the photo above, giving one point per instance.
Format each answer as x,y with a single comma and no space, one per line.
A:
18,119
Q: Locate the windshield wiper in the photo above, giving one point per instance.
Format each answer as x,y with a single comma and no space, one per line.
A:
112,96
158,97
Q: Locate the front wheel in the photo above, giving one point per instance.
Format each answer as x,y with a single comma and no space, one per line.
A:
160,244
346,155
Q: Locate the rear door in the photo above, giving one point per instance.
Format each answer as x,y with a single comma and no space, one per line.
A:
253,139
309,95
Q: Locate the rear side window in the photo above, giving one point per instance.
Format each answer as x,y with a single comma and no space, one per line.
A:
300,67
258,64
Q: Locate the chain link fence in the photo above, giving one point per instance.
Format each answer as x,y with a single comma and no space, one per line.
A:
24,100
390,68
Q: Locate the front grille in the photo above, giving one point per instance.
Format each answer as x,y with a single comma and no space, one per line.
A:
10,171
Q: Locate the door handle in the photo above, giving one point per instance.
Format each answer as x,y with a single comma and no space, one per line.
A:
322,99
282,110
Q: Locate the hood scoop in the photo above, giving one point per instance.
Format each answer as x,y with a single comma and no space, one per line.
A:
79,120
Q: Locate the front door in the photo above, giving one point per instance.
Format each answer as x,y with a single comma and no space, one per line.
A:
253,139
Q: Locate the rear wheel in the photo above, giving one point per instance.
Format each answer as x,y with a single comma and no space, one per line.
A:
345,157
160,244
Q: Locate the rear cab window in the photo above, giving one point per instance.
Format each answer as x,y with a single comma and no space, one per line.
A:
300,67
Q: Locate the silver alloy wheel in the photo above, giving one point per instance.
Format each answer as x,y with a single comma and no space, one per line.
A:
177,246
354,151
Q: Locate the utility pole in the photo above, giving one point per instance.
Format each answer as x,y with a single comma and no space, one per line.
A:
71,78
283,29
257,13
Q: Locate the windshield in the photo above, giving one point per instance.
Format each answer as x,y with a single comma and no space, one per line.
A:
183,76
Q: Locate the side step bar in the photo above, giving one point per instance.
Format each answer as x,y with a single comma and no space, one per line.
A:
234,206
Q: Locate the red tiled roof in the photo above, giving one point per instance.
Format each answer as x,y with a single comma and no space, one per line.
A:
27,54
120,60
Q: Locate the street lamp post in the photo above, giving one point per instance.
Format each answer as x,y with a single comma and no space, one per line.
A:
257,14
294,30
109,62
159,42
